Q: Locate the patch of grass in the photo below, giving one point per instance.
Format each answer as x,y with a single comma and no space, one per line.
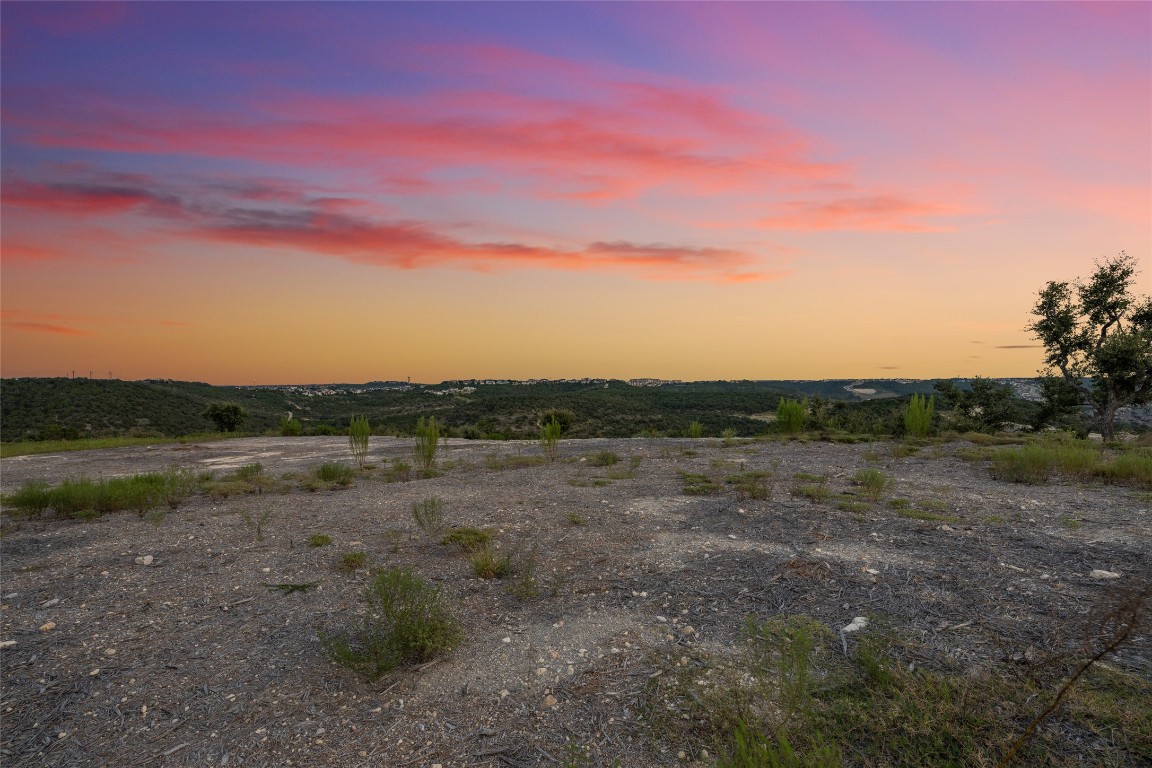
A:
621,473
352,561
406,622
319,540
334,473
84,497
933,505
574,518
1130,467
757,484
873,483
289,589
524,583
468,539
604,459
817,492
899,504
924,514
249,472
901,450
488,564
696,484
399,472
496,461
808,477
429,514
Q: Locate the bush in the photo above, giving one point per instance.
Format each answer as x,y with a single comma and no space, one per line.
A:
351,561
1026,464
290,427
550,438
427,441
429,514
604,459
695,429
358,433
486,564
918,416
334,472
872,482
406,622
319,540
226,416
791,416
249,472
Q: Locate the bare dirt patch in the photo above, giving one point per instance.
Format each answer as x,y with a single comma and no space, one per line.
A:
203,658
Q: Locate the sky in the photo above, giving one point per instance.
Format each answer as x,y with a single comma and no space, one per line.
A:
303,192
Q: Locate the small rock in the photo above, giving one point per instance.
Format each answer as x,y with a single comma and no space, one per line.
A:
689,630
661,619
504,693
856,624
704,754
550,701
48,626
143,560
7,643
506,640
541,671
1098,574
109,651
947,527
94,672
681,755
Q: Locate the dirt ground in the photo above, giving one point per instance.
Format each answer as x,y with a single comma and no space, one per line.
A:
197,659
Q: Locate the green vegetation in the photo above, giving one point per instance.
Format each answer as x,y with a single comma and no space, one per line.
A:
358,434
319,540
1098,337
429,515
90,498
290,427
352,561
796,694
695,430
873,483
427,441
756,485
791,416
550,439
488,564
696,484
468,539
257,522
94,443
604,459
334,473
575,518
228,417
406,622
1037,462
918,416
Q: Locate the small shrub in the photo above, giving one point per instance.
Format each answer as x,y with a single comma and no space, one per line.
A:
290,427
903,450
604,459
698,484
406,622
550,439
918,416
468,539
179,484
427,435
872,482
399,472
33,498
358,434
351,561
695,430
817,492
756,485
319,540
576,519
728,437
429,514
524,584
487,564
334,472
791,416
249,471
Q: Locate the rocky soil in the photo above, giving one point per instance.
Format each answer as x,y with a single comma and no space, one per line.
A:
197,658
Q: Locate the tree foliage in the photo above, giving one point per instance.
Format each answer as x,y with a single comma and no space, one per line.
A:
1098,336
983,407
226,416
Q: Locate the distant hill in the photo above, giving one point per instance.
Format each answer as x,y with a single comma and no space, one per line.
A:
44,408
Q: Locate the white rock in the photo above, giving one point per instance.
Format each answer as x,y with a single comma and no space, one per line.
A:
857,624
1098,574
144,560
7,643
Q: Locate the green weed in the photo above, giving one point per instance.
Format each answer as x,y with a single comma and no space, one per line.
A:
429,514
468,539
873,483
406,622
319,540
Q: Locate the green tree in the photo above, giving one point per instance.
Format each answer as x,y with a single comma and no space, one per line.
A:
1098,336
226,416
427,440
984,406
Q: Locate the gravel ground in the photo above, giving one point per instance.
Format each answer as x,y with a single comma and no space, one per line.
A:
197,659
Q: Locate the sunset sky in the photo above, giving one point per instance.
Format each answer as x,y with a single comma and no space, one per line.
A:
317,192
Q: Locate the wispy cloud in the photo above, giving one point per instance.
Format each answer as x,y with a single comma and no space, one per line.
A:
873,213
33,327
265,216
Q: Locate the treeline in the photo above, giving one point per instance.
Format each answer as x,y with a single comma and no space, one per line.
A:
45,409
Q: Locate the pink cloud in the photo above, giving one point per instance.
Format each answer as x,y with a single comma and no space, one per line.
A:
34,327
875,213
331,227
